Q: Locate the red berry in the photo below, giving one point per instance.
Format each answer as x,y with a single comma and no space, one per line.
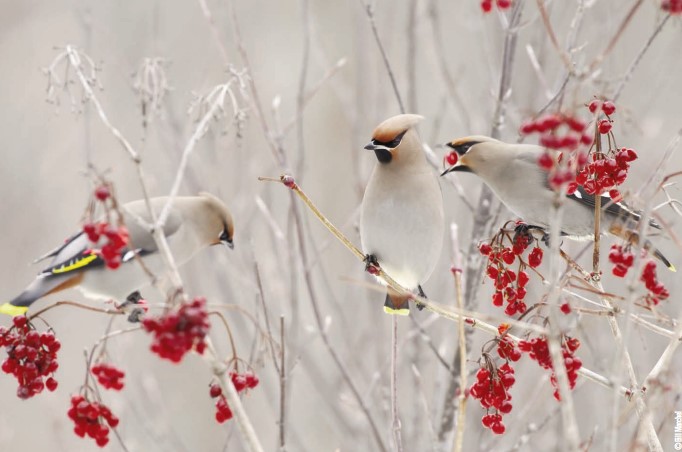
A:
604,126
594,105
51,384
528,127
215,390
497,428
486,6
608,108
545,161
484,249
102,193
565,308
535,257
451,158
20,321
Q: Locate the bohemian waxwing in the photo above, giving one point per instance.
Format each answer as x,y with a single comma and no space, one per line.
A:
195,222
402,221
512,173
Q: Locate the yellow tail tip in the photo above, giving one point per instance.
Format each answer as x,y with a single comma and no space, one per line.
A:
672,268
401,311
10,309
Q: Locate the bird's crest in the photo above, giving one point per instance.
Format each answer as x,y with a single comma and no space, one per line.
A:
388,130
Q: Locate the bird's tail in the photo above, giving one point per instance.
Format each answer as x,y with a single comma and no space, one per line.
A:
43,285
396,304
633,238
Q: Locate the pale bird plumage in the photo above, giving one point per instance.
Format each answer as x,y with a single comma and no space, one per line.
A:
402,222
513,174
194,223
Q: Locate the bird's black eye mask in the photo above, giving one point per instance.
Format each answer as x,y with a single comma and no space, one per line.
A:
382,149
462,148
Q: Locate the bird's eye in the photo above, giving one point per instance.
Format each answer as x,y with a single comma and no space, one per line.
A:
462,148
390,144
224,237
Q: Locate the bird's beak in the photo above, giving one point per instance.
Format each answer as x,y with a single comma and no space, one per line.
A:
460,166
371,146
229,244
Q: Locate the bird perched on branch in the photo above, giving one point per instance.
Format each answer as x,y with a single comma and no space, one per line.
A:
512,173
194,223
402,221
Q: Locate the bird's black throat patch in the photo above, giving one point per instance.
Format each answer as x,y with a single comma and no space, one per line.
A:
383,155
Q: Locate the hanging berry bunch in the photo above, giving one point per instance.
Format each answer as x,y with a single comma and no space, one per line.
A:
108,375
179,330
91,418
657,290
31,357
241,382
504,251
109,235
493,382
538,350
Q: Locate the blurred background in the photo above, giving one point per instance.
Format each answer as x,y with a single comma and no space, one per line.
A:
447,59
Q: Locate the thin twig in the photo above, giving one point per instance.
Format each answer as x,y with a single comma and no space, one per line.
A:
638,58
612,43
369,9
565,58
457,273
395,424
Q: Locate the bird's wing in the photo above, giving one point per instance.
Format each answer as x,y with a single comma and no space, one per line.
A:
78,253
618,209
58,249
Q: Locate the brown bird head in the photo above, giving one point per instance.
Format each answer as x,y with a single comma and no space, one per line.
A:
218,225
473,152
396,139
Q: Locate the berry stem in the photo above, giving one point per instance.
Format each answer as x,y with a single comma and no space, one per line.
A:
220,371
597,212
461,412
77,305
229,335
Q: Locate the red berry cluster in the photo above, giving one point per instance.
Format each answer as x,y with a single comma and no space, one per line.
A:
538,350
554,136
116,237
31,357
560,132
116,240
509,287
508,350
247,380
240,382
622,258
606,172
179,331
92,419
672,6
487,5
657,290
492,391
109,376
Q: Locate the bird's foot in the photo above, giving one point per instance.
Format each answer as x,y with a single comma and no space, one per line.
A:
523,233
133,298
136,315
137,306
371,264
